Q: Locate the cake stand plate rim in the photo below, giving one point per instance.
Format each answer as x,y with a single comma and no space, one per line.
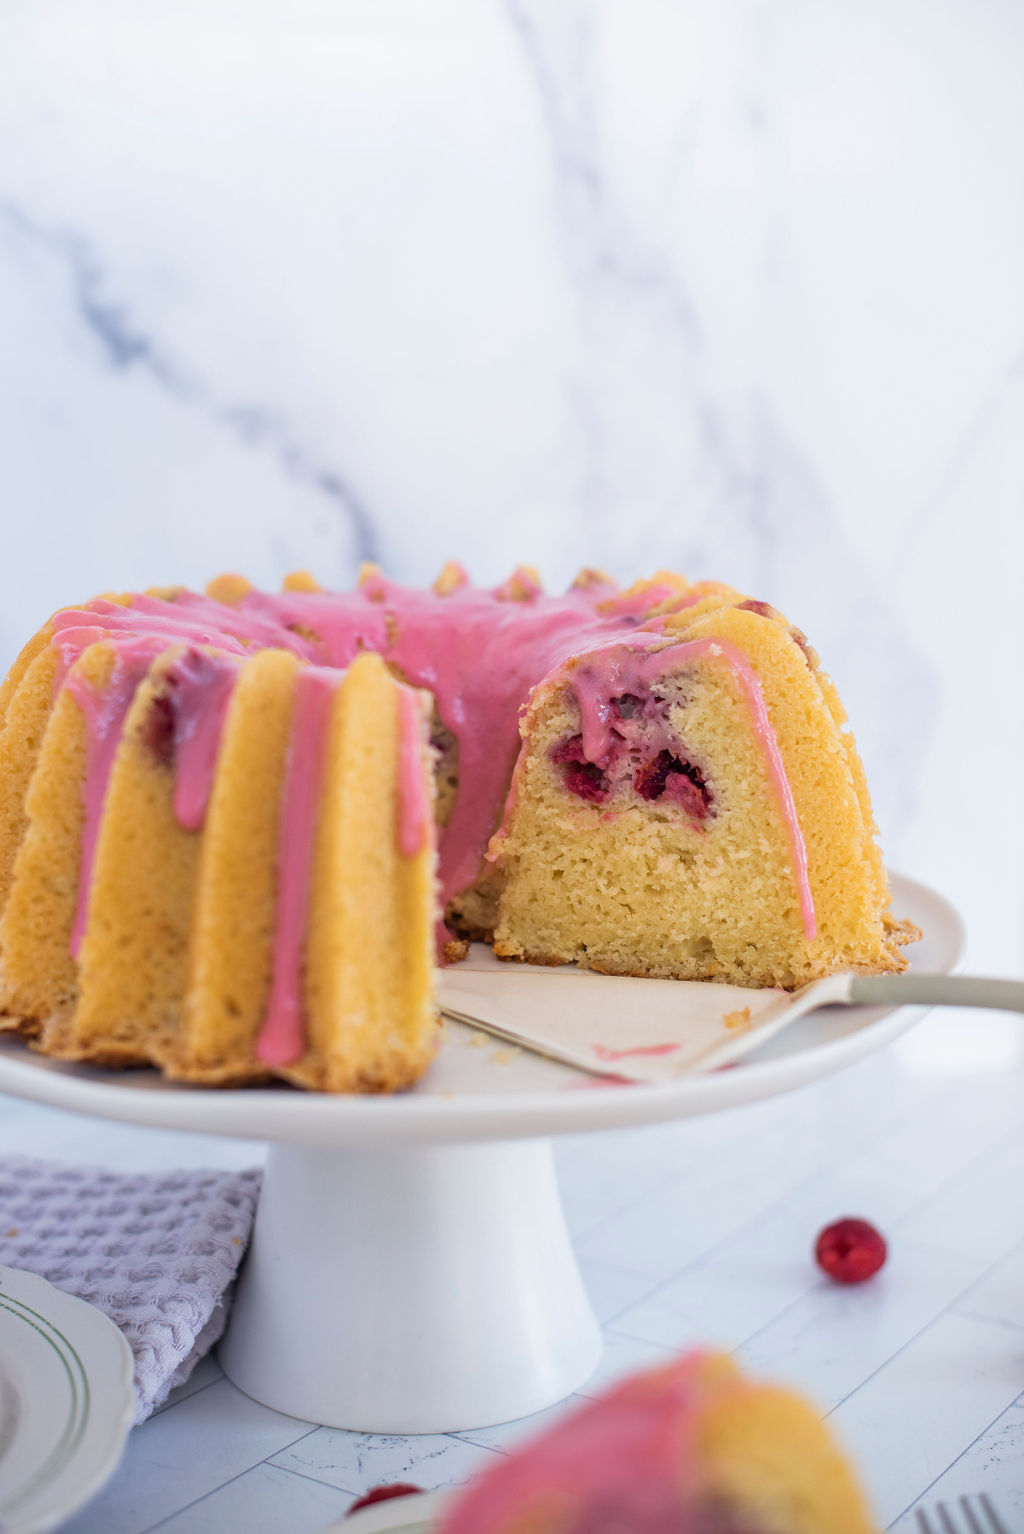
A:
424,1117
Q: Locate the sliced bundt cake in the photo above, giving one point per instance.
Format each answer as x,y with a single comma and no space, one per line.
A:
217,812
684,805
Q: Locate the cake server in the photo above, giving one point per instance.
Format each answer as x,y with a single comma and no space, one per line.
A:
658,1030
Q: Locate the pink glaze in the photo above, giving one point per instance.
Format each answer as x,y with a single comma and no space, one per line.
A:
609,672
625,1461
604,1053
372,585
74,629
200,686
479,654
414,817
105,711
69,646
282,1036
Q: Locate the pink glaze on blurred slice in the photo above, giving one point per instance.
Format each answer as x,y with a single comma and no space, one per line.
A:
282,1036
625,1461
414,809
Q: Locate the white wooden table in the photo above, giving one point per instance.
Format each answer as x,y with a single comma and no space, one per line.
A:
699,1232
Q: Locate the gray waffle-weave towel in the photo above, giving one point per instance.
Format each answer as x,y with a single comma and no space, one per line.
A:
156,1251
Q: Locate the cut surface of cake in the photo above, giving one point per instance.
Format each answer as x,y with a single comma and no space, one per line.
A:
689,1448
221,813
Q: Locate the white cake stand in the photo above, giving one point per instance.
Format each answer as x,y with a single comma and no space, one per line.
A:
410,1269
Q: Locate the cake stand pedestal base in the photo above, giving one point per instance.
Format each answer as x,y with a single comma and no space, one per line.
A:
411,1270
411,1289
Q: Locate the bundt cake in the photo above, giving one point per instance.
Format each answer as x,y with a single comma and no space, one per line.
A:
217,812
691,1447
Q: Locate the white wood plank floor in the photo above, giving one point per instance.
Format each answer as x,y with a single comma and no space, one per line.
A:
698,1232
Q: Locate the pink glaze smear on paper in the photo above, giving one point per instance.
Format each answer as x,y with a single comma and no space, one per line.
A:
604,1053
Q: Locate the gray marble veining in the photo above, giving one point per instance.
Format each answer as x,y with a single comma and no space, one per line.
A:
734,289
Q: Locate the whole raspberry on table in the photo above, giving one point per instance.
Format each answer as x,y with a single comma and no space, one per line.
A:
850,1250
383,1494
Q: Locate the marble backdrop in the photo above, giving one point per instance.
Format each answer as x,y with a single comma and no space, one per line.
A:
734,286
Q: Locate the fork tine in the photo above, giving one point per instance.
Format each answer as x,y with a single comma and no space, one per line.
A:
976,1515
998,1526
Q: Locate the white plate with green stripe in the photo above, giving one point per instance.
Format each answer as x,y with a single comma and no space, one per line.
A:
66,1402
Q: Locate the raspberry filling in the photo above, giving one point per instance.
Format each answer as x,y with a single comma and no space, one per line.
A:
587,781
644,753
668,776
584,779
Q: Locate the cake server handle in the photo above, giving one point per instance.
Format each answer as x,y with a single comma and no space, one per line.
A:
938,991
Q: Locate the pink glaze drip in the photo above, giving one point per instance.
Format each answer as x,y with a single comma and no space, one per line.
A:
624,1461
414,817
200,685
604,1053
69,647
104,711
282,1036
609,672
